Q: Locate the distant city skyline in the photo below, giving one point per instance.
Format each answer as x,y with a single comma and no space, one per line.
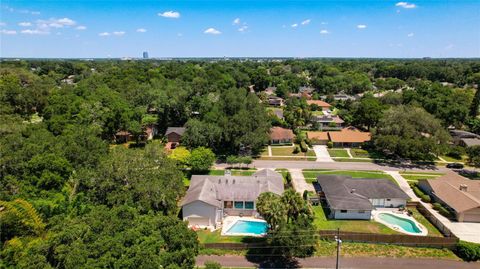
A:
188,28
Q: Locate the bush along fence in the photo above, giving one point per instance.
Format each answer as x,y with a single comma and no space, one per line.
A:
437,223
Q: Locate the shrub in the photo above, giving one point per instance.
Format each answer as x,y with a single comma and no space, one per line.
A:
456,152
330,144
212,265
288,179
303,146
426,199
468,251
296,150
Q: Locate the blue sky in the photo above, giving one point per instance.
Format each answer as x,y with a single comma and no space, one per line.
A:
198,28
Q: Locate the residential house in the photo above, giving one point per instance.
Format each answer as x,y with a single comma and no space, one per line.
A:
322,104
210,198
174,136
341,97
278,112
270,91
305,95
457,193
464,138
150,131
123,136
275,101
328,122
349,137
304,89
279,135
318,138
349,198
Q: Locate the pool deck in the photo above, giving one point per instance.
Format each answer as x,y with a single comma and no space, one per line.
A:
229,221
375,214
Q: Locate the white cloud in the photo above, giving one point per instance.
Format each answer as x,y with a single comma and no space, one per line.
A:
405,5
34,32
66,22
324,23
35,12
104,34
212,31
170,14
141,30
81,27
236,21
118,33
295,25
361,26
55,23
410,34
324,32
25,24
243,28
8,32
2,24
306,22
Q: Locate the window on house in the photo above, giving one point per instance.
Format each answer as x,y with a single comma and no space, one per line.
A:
343,211
239,205
227,204
248,205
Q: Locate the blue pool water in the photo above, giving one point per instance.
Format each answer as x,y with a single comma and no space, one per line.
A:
248,227
405,224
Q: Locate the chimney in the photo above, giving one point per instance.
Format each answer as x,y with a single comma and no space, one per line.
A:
463,187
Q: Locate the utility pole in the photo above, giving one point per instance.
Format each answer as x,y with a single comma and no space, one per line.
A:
339,242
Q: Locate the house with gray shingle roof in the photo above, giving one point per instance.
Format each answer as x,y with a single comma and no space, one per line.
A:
355,198
210,198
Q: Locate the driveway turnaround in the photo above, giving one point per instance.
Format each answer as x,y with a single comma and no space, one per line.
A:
351,263
298,181
322,154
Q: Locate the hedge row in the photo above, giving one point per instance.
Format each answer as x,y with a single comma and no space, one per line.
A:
468,251
419,193
442,210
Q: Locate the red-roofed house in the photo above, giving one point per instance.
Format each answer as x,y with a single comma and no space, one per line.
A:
279,135
324,105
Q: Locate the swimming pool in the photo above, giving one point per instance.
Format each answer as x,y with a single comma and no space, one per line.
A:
248,227
401,223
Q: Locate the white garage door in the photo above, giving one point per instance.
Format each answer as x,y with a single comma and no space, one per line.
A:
198,221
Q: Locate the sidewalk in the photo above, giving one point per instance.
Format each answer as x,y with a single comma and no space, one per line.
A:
322,154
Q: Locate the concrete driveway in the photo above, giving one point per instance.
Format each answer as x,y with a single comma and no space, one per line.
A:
322,154
298,181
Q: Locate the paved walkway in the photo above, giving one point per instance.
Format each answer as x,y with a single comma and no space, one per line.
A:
329,262
403,183
349,152
322,154
269,151
298,181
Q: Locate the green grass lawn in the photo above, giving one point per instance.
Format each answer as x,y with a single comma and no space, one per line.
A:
311,175
205,236
362,226
284,173
266,158
415,176
432,231
288,151
361,153
450,159
353,160
328,248
338,153
235,172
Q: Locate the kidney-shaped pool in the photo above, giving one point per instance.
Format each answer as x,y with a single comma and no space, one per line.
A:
401,223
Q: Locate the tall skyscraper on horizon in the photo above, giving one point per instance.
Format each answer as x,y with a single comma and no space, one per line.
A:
145,55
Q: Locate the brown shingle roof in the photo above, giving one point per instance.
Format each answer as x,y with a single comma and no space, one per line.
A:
319,103
279,133
317,135
447,188
349,136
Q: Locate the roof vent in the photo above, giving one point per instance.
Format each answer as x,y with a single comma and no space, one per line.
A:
233,181
226,181
463,187
352,191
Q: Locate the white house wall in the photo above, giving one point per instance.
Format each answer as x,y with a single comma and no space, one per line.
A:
199,209
353,214
392,203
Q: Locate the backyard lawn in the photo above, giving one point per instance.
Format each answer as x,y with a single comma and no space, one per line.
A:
338,153
362,226
432,231
311,175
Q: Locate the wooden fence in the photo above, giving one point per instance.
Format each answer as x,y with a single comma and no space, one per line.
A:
394,239
437,223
